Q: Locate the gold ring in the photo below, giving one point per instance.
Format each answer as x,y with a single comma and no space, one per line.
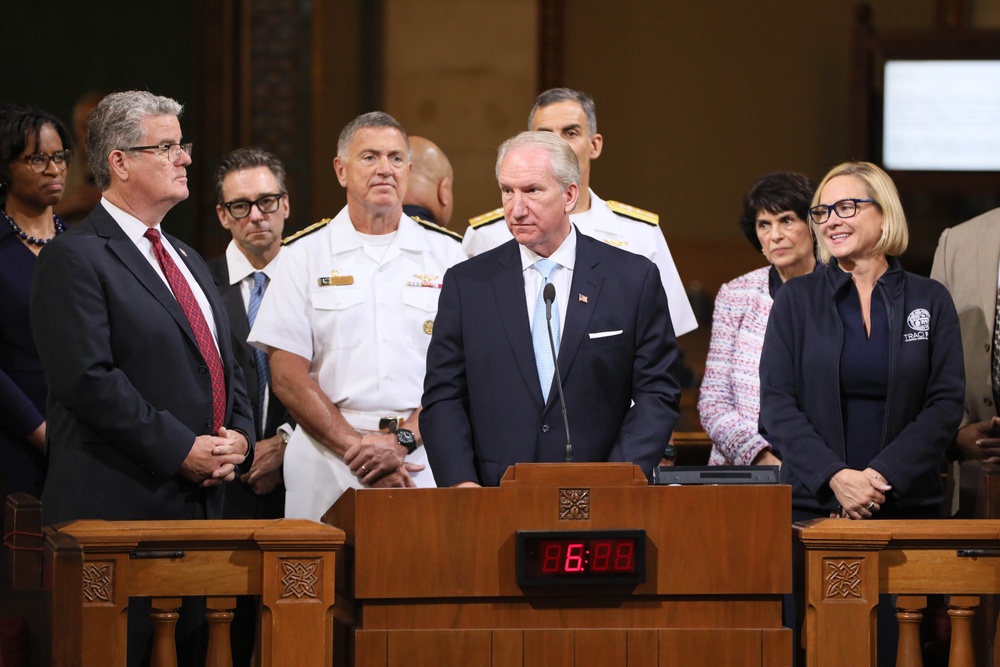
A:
363,467
871,506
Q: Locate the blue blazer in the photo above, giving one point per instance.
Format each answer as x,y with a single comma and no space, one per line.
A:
482,403
128,388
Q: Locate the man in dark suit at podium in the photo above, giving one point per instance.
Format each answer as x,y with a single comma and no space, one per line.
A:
490,394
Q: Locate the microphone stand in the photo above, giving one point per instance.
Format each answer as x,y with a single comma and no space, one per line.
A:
549,295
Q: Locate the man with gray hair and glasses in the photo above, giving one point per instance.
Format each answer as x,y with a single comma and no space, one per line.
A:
147,410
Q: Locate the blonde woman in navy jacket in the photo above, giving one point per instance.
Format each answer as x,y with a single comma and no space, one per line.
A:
862,378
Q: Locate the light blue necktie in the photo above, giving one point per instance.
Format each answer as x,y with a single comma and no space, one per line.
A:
256,294
539,330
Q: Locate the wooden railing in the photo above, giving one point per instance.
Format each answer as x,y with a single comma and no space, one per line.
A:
288,563
849,563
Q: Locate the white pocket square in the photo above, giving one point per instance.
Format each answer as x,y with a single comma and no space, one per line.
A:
605,334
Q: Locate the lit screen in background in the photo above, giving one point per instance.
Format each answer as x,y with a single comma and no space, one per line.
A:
942,115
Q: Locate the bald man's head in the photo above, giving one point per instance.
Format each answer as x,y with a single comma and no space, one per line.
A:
431,180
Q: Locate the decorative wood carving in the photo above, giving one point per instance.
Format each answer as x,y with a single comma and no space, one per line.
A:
843,577
574,504
299,578
98,582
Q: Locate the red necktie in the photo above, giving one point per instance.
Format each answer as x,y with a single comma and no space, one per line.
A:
202,334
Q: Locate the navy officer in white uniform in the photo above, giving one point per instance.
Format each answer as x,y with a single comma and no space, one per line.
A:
347,321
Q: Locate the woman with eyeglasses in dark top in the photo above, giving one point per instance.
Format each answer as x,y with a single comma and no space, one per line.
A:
861,376
35,151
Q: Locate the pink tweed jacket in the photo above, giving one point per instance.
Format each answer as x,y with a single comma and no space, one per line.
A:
729,402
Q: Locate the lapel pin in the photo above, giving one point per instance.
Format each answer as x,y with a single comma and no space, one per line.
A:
583,298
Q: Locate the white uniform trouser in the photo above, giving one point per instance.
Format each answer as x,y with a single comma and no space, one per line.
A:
315,477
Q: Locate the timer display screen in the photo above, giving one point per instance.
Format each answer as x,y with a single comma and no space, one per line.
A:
546,558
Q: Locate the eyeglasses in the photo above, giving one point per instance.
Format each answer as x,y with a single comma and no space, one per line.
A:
170,151
39,162
845,208
241,208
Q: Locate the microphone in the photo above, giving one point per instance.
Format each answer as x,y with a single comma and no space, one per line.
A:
549,295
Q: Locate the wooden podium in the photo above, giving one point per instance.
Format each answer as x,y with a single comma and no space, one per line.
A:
427,576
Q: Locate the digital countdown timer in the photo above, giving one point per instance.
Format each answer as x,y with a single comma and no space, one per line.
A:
552,558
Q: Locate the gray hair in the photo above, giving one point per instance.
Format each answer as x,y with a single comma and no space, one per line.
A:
116,123
554,95
248,158
376,119
563,165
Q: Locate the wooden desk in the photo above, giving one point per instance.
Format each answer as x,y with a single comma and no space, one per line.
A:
430,575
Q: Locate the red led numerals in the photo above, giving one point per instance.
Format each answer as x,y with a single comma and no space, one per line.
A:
572,557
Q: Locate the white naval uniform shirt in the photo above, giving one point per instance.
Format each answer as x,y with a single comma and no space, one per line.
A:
603,224
363,315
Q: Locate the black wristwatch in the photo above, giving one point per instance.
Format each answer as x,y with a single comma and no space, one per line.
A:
670,453
406,439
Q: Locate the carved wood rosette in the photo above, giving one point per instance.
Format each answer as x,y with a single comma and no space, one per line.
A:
574,504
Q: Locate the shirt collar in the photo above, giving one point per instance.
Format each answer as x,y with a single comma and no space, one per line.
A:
240,267
565,254
344,238
133,227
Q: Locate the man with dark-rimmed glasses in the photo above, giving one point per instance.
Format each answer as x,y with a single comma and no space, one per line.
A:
252,204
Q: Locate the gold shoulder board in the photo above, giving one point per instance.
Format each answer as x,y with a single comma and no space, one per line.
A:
486,218
288,240
634,213
427,224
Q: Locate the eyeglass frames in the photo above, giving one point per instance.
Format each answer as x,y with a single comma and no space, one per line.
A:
39,162
241,208
845,208
171,151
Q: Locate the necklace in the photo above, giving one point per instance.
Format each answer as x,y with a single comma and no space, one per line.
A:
60,228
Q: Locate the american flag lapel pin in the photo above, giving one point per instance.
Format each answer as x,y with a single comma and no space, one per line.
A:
583,298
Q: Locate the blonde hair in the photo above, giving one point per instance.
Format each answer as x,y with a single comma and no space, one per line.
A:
879,186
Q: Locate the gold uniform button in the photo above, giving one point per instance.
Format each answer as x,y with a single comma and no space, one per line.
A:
429,327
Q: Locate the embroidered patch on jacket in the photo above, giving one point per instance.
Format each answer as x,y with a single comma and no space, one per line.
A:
919,320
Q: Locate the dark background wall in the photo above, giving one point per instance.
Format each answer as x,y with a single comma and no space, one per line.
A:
53,52
695,99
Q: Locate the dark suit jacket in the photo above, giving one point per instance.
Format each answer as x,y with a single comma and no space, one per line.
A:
128,388
241,501
482,403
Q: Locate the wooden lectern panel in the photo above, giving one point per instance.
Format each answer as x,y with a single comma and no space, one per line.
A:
460,542
431,573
